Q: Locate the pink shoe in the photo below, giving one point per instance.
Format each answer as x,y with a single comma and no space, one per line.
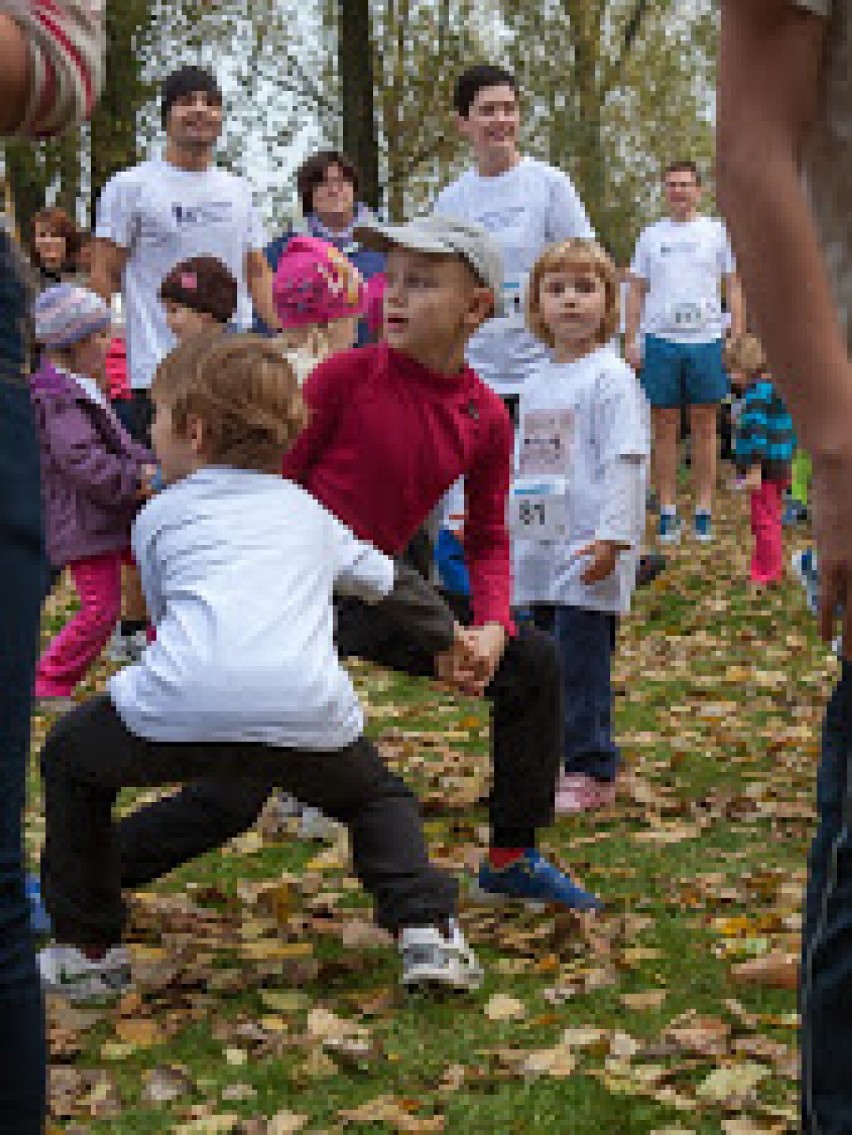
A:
577,793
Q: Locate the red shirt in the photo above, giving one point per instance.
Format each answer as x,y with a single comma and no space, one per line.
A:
386,439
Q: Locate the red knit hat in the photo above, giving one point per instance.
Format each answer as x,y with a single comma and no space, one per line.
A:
315,283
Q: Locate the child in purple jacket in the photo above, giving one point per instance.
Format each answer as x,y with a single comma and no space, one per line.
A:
94,478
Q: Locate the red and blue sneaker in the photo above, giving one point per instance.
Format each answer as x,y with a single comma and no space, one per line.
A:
534,880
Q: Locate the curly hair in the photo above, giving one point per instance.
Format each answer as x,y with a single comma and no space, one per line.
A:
576,254
746,355
244,392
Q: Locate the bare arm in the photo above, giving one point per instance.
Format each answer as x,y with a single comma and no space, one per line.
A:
736,305
108,261
259,284
769,69
15,75
769,75
637,287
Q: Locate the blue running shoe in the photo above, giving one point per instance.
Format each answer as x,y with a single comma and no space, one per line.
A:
533,879
702,526
804,568
794,513
39,918
669,527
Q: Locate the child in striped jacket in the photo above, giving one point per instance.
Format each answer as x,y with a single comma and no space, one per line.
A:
765,445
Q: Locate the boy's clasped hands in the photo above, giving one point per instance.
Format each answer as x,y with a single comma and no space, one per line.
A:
472,660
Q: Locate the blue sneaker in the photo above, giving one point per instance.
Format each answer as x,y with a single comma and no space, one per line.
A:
668,531
702,526
39,918
804,568
794,513
532,879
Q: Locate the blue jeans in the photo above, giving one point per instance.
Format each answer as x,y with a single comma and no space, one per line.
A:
826,989
22,570
586,641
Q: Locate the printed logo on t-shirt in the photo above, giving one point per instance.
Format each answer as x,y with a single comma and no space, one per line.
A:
546,443
686,246
207,213
495,220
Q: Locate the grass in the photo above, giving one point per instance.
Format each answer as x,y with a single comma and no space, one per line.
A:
701,865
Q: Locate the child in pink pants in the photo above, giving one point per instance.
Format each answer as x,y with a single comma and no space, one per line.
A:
94,477
765,444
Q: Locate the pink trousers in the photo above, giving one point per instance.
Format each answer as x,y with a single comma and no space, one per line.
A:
80,642
767,559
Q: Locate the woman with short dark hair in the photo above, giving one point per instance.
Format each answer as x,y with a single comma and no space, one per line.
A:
327,184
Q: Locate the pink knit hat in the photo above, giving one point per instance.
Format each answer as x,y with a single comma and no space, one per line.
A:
315,283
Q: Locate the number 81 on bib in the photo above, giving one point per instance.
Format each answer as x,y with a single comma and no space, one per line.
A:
538,511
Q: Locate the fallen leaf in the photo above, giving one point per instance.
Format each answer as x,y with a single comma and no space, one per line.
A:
777,971
733,1085
652,999
286,1123
385,1109
503,1008
163,1085
140,1032
558,1062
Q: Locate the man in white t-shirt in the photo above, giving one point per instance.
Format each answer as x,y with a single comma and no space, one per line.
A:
525,205
785,105
679,266
170,208
150,218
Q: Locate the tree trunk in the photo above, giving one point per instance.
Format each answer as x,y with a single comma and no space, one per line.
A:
355,64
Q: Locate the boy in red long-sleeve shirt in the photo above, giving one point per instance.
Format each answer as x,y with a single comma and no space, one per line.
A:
392,426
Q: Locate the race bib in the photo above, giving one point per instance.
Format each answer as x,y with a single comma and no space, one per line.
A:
538,510
689,316
513,299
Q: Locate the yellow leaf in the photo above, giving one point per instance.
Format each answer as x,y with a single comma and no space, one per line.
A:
503,1008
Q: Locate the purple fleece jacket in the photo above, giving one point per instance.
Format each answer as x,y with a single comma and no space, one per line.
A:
90,470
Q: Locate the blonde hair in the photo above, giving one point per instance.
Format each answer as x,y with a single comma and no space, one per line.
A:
242,389
746,355
574,255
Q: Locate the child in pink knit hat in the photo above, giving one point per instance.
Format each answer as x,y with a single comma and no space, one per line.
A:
320,296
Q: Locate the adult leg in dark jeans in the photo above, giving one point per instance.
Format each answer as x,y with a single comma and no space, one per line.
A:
826,986
586,643
90,755
527,725
22,573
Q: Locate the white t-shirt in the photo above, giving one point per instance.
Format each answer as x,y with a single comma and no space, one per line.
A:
828,153
238,569
578,421
684,263
525,209
163,215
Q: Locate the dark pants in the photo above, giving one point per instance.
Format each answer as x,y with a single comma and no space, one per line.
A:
826,990
137,416
586,642
22,574
90,755
526,695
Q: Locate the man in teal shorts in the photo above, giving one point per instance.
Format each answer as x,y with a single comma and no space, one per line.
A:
675,297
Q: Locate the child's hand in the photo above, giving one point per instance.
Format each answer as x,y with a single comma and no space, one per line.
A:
753,479
604,556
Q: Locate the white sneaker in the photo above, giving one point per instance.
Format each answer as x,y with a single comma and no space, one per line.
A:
316,825
430,958
67,971
126,648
